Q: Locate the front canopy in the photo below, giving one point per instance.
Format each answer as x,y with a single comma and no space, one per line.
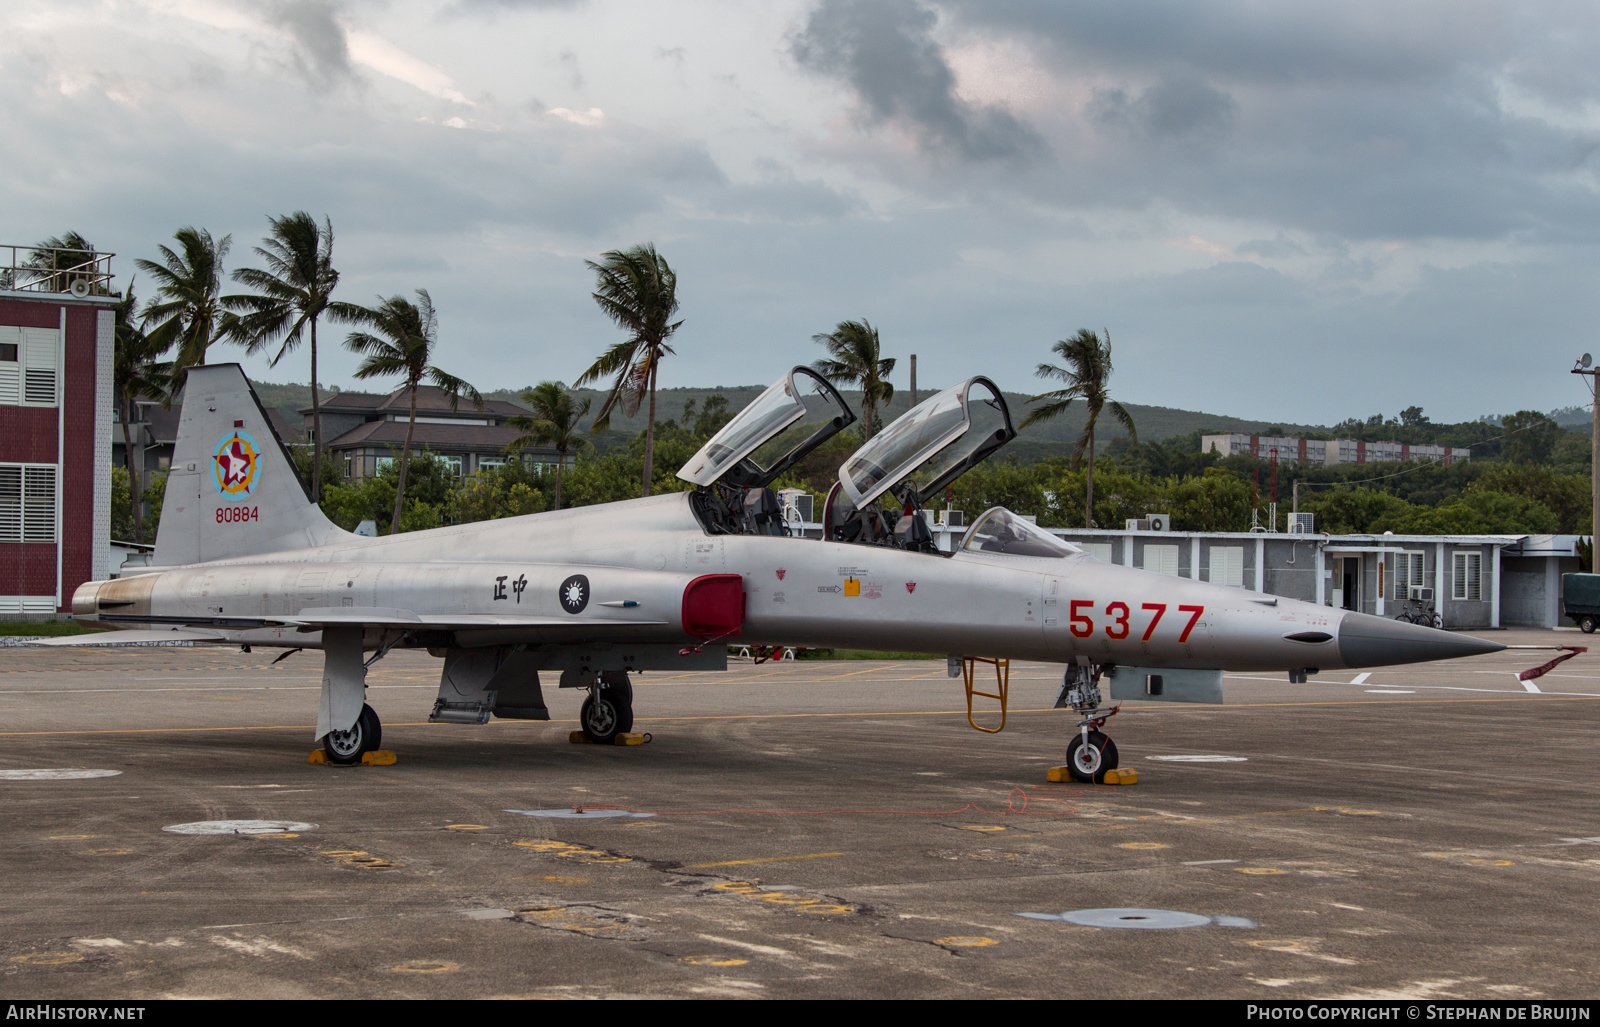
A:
931,445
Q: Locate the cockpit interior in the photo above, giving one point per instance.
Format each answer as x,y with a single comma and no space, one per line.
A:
882,488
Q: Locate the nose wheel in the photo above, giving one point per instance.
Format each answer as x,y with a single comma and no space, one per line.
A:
365,735
1090,755
608,711
1091,752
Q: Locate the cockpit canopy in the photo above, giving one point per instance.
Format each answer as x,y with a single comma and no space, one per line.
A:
795,415
931,445
999,531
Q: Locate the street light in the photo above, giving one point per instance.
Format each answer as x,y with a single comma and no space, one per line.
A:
1585,366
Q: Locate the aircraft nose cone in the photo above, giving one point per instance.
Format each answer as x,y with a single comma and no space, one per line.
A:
1368,641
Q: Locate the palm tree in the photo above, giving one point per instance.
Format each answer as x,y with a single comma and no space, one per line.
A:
135,375
554,423
187,303
853,348
294,288
638,291
407,336
1087,372
59,261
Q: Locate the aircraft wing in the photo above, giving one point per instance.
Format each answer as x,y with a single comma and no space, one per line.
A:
407,618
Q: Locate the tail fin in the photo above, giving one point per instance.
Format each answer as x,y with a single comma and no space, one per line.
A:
232,490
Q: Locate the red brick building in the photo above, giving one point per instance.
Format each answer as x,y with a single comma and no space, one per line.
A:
56,350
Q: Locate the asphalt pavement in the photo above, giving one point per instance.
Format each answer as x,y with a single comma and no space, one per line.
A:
811,829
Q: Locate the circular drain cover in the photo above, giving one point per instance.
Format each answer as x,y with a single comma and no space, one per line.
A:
1199,759
1139,919
577,814
238,827
53,774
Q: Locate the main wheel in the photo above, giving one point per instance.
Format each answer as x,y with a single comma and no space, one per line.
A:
1090,762
608,712
1586,624
365,735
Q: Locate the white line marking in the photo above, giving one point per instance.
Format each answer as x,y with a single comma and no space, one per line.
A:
1361,679
1529,685
1391,691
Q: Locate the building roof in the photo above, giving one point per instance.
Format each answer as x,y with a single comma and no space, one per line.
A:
479,438
431,402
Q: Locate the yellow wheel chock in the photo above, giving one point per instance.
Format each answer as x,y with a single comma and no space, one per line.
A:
1002,674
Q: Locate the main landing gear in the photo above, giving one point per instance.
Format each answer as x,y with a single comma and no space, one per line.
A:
1091,752
365,735
608,711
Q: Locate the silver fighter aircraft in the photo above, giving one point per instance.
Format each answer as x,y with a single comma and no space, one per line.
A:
587,595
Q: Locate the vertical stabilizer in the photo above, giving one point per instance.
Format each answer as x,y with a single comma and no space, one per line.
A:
232,490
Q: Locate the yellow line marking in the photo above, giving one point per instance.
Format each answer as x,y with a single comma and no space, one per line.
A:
769,859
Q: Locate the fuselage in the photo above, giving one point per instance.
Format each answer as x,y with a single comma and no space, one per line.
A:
639,556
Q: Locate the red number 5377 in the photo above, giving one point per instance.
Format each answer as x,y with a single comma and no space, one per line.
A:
1118,614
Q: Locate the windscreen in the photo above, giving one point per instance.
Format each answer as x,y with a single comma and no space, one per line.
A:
934,439
779,420
1001,532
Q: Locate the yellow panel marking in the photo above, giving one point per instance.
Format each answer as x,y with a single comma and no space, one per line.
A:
1259,870
713,961
767,859
1280,946
467,827
564,880
422,967
107,852
781,898
70,837
48,958
1141,845
982,827
966,941
1491,862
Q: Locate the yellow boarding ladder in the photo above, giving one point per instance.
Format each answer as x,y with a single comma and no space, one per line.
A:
1002,673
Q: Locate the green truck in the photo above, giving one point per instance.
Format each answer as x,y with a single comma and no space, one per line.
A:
1580,600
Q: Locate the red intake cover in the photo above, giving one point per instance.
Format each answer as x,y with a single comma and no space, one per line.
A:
713,605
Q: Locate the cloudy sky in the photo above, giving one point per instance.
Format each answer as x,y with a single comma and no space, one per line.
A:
1287,211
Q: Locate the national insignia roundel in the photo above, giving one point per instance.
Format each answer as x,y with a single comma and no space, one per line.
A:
574,593
236,466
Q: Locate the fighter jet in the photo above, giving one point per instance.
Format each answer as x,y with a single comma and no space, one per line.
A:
593,594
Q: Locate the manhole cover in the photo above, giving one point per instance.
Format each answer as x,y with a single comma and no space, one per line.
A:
577,814
1137,919
238,827
53,774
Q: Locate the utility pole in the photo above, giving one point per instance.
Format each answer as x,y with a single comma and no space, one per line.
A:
913,381
1586,366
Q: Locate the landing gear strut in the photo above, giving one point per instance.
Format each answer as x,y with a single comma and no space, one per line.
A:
364,736
608,711
1091,753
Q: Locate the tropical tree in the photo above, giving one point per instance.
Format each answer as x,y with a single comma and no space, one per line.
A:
59,261
553,422
637,290
187,306
1086,375
293,293
402,342
135,375
854,360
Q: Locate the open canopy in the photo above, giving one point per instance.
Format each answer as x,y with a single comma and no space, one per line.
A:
798,413
932,444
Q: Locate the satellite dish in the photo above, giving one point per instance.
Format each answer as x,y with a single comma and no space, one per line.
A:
80,289
1586,360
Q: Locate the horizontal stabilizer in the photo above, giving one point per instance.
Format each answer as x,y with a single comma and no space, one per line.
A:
111,639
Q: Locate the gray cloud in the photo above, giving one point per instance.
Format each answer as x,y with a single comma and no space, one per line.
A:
884,51
322,54
1168,108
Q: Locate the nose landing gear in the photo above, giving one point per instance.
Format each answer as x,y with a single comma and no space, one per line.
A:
1092,752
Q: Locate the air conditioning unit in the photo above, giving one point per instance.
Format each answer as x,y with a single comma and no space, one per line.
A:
1420,593
953,518
1302,524
1160,522
1137,524
798,504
